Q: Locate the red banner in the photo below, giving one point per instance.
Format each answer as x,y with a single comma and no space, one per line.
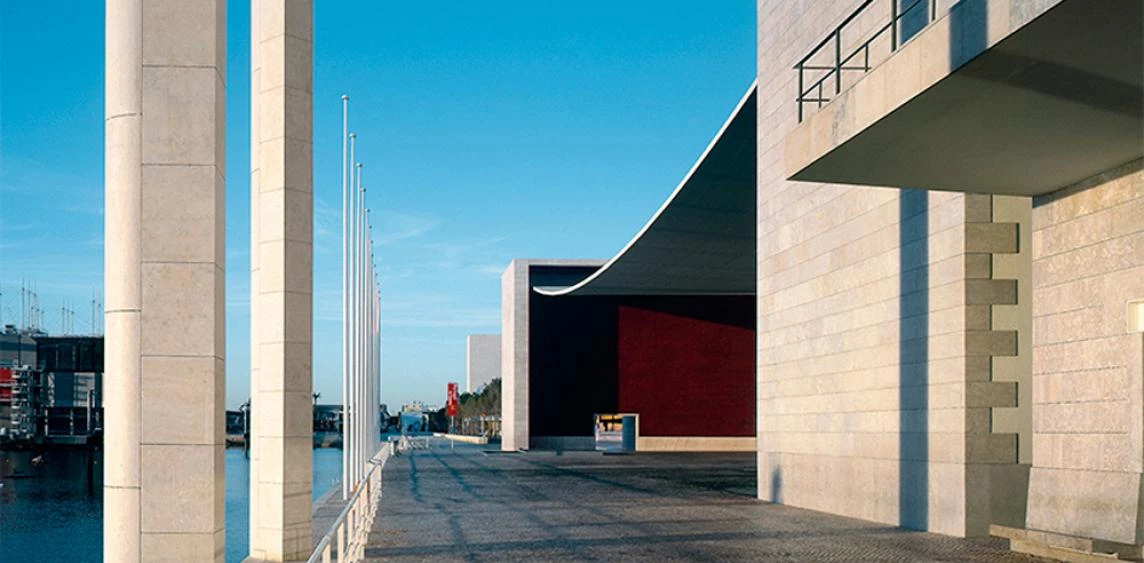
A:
453,405
5,377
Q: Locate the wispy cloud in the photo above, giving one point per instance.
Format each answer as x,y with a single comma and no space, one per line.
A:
396,227
10,227
390,226
495,270
450,250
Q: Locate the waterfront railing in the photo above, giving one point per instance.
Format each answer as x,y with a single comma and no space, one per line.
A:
349,534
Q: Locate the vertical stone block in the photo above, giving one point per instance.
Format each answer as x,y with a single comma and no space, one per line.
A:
282,209
165,257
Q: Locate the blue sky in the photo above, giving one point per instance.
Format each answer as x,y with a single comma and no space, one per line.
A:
489,130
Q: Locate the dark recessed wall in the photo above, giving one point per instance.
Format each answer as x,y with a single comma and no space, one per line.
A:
572,363
685,364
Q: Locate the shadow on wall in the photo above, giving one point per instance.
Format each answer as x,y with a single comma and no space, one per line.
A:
913,319
913,358
968,28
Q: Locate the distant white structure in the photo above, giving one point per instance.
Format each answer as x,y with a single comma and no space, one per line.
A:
484,360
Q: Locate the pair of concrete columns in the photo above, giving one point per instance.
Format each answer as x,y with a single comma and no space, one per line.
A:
164,477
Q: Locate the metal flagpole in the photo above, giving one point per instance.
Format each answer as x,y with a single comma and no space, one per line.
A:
361,332
380,357
362,336
369,344
377,346
365,343
345,288
351,405
357,325
373,366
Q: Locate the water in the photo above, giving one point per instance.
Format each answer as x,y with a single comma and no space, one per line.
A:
54,511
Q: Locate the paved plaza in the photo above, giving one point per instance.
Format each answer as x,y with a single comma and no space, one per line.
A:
464,503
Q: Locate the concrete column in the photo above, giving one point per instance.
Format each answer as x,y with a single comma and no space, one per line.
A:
123,184
514,356
165,141
255,335
282,406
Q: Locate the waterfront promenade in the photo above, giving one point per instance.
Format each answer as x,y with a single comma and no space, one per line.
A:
465,504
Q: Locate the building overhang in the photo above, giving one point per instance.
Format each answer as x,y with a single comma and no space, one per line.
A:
1057,100
701,241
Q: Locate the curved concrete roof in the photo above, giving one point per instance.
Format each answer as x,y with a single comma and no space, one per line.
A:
701,241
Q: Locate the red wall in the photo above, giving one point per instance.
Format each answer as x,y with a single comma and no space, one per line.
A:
685,375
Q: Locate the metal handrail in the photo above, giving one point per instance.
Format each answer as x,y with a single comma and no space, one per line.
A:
840,62
351,528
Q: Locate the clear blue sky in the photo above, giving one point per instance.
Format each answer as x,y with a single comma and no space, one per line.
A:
489,130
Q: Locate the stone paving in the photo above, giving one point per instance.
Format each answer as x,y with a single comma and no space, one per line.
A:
465,504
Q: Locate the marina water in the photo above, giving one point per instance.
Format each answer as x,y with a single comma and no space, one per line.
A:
51,508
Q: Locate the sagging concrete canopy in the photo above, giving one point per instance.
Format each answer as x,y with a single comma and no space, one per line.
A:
967,106
701,241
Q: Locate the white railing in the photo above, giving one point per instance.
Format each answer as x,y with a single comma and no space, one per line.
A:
350,532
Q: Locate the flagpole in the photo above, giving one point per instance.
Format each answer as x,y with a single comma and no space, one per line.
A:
357,322
345,286
351,405
361,334
368,335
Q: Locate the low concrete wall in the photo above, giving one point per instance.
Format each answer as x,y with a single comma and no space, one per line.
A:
482,440
695,444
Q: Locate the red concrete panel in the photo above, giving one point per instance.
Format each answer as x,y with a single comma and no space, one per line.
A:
686,376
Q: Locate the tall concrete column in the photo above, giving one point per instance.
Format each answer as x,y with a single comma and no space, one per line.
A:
282,308
123,184
255,288
164,271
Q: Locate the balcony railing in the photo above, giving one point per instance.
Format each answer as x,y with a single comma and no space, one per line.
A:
854,59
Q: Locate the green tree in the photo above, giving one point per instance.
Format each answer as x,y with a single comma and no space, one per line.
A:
485,402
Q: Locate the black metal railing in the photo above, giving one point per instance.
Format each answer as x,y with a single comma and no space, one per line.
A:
857,59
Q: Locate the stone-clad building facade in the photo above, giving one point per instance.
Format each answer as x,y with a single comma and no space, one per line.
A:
964,357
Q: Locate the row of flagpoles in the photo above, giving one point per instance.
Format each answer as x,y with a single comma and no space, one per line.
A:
361,322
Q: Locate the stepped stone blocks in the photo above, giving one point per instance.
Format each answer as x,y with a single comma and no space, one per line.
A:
1015,316
1088,379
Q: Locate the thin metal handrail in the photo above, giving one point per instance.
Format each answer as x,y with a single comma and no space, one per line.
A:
840,62
353,518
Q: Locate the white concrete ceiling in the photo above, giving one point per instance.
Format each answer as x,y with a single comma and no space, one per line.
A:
701,241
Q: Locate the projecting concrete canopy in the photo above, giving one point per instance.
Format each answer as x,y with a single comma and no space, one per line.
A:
702,239
1054,102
